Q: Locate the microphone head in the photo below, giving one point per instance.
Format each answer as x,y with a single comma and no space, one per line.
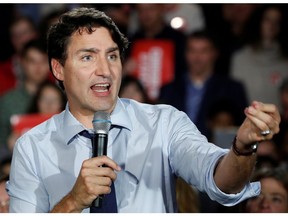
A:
101,122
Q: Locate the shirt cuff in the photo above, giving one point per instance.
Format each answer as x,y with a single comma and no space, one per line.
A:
251,189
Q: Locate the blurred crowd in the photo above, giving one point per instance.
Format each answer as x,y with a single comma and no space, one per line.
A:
221,58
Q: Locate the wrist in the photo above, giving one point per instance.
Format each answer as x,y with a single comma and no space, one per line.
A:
245,150
68,205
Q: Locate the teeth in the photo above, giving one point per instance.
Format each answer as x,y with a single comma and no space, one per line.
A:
101,90
102,85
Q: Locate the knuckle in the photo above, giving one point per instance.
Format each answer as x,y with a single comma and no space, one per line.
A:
90,189
107,190
109,181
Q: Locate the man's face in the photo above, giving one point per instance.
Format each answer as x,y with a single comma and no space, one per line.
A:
200,55
92,72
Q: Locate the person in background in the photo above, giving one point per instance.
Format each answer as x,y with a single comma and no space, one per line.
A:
132,88
152,25
17,101
282,137
49,98
222,114
201,86
274,192
228,22
148,144
262,64
22,30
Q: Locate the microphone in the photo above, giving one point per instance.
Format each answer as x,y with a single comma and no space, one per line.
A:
101,124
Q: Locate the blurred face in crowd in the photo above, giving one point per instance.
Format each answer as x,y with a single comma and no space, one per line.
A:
200,55
50,101
35,65
133,92
150,15
268,148
4,198
21,32
91,73
222,120
271,23
273,198
237,13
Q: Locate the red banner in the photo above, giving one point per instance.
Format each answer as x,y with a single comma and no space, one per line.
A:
155,64
24,122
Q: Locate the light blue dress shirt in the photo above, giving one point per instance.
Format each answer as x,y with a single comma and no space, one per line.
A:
151,143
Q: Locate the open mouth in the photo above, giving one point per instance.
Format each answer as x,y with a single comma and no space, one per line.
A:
103,87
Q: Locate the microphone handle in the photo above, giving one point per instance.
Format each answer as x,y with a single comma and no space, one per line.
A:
99,145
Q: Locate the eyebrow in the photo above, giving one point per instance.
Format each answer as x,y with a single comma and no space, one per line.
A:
112,49
94,50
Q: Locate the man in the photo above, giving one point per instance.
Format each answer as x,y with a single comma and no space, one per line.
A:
202,88
52,169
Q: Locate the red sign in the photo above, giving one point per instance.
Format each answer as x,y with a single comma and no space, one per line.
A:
24,122
155,64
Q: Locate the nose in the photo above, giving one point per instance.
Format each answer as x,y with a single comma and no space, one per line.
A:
265,202
103,67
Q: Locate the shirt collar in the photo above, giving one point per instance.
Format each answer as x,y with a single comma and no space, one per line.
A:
71,126
120,116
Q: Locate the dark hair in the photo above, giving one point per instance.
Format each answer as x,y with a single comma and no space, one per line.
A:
206,35
34,44
4,178
34,104
279,173
252,31
127,80
78,19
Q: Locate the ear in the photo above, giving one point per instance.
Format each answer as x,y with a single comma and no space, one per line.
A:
57,69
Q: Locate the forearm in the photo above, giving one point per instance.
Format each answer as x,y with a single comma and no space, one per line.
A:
234,171
66,205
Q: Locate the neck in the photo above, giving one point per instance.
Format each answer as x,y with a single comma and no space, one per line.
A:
31,87
199,76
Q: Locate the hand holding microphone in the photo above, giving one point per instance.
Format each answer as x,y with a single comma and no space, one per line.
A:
94,172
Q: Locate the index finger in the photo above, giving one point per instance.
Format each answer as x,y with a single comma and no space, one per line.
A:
104,160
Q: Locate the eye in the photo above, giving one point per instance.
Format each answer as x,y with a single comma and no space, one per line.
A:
112,57
87,58
277,199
